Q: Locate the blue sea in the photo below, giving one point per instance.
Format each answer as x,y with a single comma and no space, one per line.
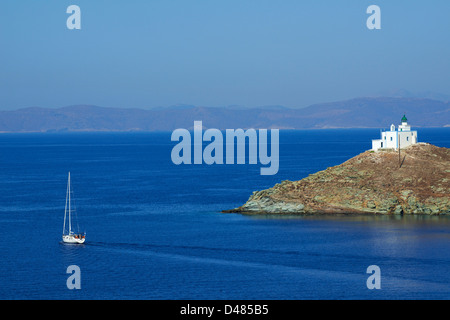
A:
155,230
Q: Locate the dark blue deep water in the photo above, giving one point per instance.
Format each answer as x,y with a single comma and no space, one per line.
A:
155,230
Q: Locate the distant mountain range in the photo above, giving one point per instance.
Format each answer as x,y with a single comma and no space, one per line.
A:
374,112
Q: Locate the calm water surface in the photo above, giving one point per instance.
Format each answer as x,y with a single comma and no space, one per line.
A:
155,231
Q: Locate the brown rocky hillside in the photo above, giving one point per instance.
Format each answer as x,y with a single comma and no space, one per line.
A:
372,182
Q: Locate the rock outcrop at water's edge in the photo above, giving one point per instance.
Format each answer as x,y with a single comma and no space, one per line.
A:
371,182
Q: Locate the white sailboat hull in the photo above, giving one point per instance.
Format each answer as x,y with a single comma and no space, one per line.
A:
69,236
72,239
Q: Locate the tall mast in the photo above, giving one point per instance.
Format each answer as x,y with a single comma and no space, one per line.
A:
70,224
65,208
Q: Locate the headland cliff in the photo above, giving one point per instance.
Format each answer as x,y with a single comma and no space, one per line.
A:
414,181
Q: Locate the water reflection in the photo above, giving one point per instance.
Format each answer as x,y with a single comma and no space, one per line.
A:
445,219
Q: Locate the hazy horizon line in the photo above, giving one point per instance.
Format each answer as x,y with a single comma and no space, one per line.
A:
237,106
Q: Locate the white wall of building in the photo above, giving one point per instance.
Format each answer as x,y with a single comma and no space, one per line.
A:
391,139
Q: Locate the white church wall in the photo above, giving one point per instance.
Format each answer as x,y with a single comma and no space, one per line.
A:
391,139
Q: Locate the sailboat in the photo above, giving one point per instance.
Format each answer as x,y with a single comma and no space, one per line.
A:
69,236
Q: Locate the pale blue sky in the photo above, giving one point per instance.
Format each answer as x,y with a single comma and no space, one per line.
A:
216,53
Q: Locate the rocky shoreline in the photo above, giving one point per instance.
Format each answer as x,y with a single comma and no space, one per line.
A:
369,183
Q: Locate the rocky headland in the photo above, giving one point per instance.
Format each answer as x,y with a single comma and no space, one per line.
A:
417,182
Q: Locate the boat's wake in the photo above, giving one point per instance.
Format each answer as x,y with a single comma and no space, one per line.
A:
302,264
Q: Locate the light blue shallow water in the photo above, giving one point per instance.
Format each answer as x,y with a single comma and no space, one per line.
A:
155,231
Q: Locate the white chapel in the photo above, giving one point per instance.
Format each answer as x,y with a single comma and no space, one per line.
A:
394,139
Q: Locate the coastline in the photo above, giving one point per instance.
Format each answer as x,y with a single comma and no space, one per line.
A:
369,183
